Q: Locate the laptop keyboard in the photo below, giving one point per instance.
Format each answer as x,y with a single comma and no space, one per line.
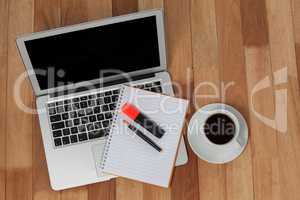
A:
84,118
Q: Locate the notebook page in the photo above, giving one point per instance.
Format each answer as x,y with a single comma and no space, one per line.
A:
129,156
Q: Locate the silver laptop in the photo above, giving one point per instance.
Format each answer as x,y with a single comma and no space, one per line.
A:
76,72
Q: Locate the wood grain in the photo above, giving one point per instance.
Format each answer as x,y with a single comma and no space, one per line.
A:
257,54
209,45
283,56
295,4
121,7
3,89
19,124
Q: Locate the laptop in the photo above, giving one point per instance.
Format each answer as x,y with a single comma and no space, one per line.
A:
76,72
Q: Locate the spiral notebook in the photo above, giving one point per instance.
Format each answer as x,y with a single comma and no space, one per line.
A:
127,155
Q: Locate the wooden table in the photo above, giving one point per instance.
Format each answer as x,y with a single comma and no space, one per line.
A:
219,48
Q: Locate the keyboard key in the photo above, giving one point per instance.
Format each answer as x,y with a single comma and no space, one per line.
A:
65,116
97,110
92,118
83,98
59,103
100,117
68,108
107,100
60,109
69,123
73,114
108,93
73,138
81,128
82,137
52,111
90,127
51,105
81,113
58,125
57,142
105,108
57,133
99,101
100,95
66,140
108,115
76,121
148,84
156,83
84,120
67,101
89,111
96,134
156,89
114,98
66,131
105,123
112,106
92,96
97,125
91,103
83,104
75,106
55,118
75,99
74,130
116,91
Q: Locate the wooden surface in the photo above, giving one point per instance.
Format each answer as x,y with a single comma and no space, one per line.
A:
232,44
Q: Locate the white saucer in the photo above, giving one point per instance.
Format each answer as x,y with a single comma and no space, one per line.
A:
208,151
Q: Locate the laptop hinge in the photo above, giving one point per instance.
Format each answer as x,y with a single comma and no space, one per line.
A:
100,85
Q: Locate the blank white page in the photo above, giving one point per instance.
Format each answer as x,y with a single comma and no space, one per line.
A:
128,155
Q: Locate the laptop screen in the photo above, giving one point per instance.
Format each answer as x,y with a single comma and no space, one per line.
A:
95,53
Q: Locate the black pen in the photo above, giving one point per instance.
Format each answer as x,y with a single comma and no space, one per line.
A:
142,136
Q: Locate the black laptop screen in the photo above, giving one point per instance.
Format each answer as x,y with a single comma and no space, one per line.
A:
101,51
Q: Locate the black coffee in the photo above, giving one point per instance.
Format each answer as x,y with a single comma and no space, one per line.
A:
219,128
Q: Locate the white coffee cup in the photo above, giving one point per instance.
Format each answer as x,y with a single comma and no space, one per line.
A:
211,152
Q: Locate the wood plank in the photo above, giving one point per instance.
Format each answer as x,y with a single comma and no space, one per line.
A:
263,137
80,193
46,16
99,9
178,35
258,67
296,19
283,55
121,7
150,4
19,123
206,87
239,183
3,81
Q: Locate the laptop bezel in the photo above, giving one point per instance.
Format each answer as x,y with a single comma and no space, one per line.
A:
31,73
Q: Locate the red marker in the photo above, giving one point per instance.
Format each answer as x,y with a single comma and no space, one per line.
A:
133,113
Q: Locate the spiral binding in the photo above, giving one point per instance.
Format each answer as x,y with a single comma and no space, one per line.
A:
113,124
